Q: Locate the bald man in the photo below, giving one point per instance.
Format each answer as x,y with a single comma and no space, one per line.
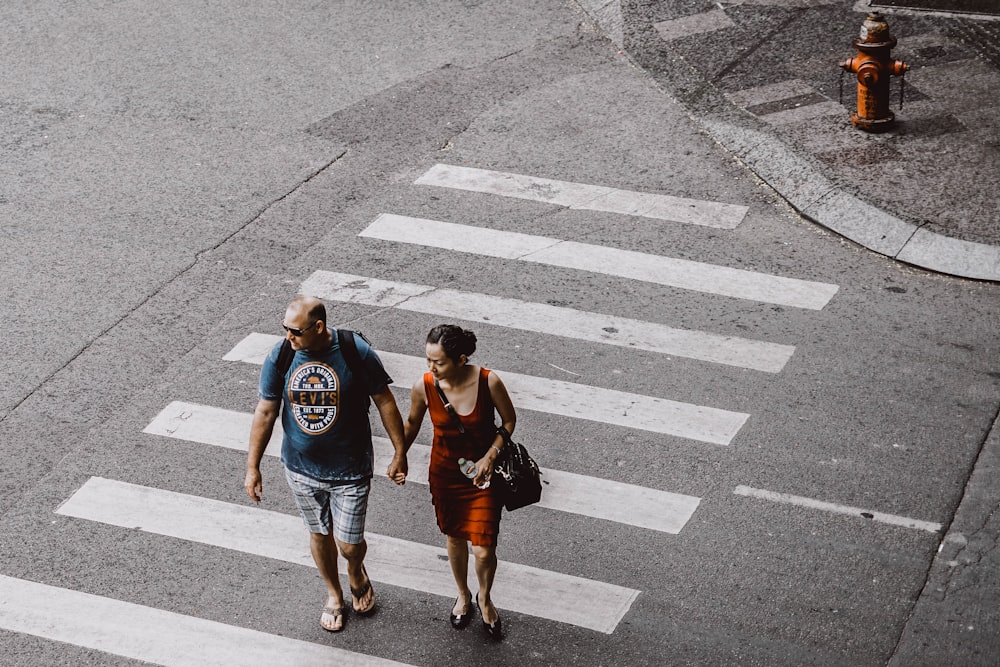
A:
327,446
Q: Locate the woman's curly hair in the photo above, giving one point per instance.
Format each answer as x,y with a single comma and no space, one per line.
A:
454,340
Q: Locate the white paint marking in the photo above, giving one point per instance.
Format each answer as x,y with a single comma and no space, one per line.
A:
567,399
680,273
803,113
694,24
839,509
564,491
799,3
588,197
782,90
552,320
524,589
154,635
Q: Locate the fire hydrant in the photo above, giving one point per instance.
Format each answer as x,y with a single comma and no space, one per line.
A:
873,67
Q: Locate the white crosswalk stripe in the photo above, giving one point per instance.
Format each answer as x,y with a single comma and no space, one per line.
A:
552,320
579,401
584,196
529,590
565,491
681,273
154,635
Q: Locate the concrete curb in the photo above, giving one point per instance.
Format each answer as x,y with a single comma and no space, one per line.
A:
797,179
820,200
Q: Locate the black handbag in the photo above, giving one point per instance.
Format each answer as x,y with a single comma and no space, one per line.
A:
519,479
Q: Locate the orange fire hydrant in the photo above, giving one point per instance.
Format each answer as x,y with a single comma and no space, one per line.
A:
873,67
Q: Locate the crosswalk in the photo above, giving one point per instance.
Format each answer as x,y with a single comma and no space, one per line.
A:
124,629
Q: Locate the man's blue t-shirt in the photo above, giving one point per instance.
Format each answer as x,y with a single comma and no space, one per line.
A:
325,411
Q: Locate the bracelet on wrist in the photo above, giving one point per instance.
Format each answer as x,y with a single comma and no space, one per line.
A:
496,448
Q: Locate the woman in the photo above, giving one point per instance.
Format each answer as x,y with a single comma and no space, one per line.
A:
466,511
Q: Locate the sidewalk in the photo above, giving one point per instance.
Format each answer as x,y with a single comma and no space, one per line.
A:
762,77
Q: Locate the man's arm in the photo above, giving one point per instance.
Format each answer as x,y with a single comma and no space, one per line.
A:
393,423
264,416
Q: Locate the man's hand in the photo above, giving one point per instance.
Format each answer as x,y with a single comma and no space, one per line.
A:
393,423
254,484
397,469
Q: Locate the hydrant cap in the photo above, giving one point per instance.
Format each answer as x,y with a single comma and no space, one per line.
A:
875,32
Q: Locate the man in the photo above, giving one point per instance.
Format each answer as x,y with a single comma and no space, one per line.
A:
327,446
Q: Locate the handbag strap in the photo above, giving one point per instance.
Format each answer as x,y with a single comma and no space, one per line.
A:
458,422
449,408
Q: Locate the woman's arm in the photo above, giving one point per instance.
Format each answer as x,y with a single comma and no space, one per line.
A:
508,419
504,406
418,408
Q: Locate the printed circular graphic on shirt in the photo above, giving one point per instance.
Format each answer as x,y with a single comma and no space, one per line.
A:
314,394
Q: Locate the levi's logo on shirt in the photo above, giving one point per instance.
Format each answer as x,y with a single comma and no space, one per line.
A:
314,397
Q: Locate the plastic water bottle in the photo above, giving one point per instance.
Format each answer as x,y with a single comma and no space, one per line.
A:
468,469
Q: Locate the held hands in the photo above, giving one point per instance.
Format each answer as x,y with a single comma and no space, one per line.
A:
397,469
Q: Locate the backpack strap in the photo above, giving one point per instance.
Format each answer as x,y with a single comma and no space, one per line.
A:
349,348
285,355
283,363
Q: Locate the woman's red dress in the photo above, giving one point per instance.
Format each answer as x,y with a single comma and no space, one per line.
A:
463,510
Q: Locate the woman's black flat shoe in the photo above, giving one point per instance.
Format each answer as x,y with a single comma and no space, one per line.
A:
494,630
459,621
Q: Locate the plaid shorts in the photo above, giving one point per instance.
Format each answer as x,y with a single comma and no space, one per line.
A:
322,504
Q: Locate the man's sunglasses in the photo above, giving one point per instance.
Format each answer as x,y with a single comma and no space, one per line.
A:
298,332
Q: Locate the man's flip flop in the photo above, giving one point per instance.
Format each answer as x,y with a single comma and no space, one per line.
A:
360,593
332,619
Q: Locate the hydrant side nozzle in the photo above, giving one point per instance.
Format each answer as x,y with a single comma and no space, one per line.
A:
899,67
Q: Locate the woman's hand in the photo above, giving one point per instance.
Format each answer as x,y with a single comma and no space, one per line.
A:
484,469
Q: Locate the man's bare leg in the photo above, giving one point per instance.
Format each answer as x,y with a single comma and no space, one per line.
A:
358,579
324,553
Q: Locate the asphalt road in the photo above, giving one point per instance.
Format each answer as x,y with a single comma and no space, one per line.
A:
172,176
